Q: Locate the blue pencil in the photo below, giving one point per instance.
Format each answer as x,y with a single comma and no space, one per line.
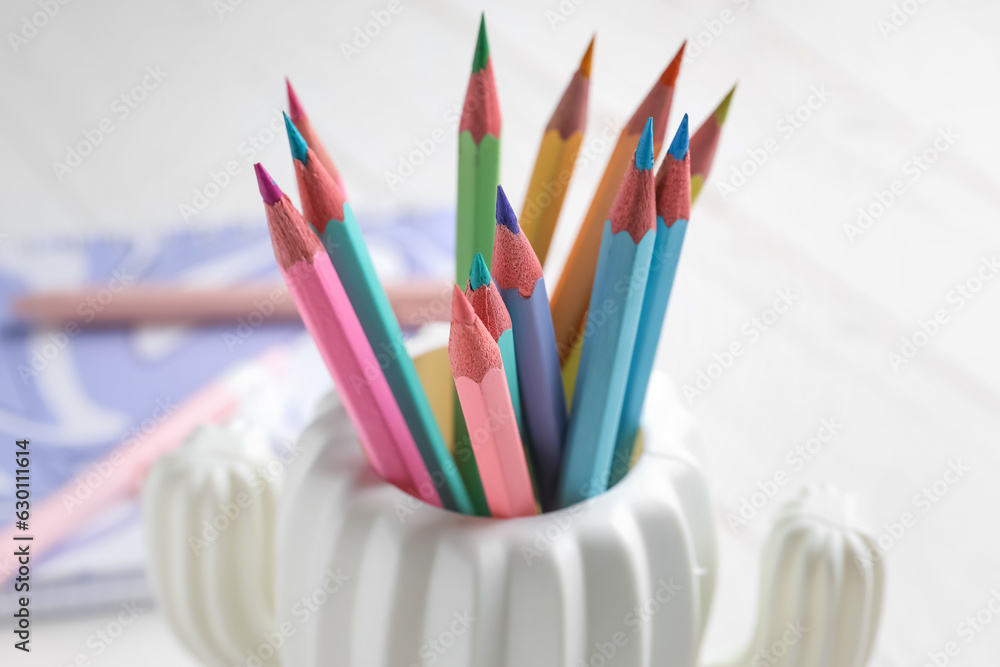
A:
609,333
518,275
673,209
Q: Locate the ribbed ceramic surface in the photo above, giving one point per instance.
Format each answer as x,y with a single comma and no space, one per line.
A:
368,577
209,514
820,594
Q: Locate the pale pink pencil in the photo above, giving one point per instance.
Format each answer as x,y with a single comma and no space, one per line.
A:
482,388
334,326
120,474
414,303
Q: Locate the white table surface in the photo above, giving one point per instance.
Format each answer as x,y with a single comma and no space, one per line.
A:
783,229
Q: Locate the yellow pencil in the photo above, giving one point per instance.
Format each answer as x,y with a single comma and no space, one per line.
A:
556,160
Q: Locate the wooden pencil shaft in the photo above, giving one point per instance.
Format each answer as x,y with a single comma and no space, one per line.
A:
543,404
496,444
414,303
572,293
604,365
349,254
662,270
362,387
478,177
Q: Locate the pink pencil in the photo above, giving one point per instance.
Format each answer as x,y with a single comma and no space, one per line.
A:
305,128
334,326
482,388
414,303
120,474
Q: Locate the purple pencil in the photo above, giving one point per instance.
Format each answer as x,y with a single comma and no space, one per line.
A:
518,276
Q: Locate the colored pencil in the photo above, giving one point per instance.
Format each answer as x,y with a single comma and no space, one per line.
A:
478,162
518,275
572,292
305,128
703,145
334,326
609,338
481,382
673,209
161,305
332,218
63,512
478,176
482,293
571,367
556,160
704,142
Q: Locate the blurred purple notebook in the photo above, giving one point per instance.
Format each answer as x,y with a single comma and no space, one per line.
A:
75,397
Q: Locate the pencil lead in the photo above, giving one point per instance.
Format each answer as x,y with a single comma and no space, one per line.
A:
505,214
588,57
461,309
269,190
482,56
644,151
722,110
295,109
669,76
479,275
300,151
679,146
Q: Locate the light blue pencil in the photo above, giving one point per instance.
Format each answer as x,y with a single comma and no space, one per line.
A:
673,208
609,333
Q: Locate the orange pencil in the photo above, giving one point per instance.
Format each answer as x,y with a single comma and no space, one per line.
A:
481,382
572,293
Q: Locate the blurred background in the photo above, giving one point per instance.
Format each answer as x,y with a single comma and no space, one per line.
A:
856,178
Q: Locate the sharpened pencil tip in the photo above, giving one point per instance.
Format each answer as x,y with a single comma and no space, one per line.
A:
482,55
669,76
294,107
644,151
679,146
269,190
461,309
505,213
588,57
722,110
479,275
300,151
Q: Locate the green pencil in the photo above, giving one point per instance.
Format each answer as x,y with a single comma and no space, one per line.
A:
478,177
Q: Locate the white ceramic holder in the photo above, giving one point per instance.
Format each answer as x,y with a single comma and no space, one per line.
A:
616,580
367,576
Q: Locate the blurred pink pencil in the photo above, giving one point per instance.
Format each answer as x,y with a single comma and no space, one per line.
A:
414,303
119,475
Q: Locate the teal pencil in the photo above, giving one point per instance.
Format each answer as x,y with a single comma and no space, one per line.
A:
333,221
609,333
673,209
